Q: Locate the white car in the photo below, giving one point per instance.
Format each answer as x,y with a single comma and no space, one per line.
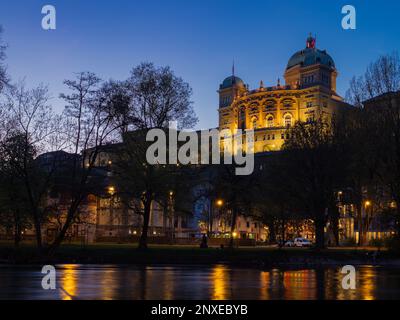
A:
289,243
302,242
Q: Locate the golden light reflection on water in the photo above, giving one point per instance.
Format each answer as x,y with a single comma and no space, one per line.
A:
265,284
367,283
69,281
217,283
109,283
220,283
168,284
300,285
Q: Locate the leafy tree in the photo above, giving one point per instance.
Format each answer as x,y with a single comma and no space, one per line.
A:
155,96
311,160
274,199
140,184
230,187
14,203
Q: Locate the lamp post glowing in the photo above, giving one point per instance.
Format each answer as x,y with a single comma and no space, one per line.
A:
111,190
220,203
367,203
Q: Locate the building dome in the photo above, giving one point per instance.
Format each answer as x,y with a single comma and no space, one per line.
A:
310,55
231,81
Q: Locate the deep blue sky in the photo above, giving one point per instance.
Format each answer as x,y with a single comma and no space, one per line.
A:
197,38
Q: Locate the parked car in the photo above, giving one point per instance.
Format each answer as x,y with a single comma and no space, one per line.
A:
302,242
289,243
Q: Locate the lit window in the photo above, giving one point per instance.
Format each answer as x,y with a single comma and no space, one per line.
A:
270,121
254,123
287,120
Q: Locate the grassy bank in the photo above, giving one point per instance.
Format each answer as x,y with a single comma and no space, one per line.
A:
164,254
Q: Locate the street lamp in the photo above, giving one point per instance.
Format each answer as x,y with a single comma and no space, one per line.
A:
367,203
111,190
220,202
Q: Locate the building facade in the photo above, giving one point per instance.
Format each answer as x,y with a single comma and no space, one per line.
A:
309,92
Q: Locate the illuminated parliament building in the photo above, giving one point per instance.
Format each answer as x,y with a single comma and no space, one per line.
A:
309,92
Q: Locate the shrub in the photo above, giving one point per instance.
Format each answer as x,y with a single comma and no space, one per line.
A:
377,243
393,244
349,242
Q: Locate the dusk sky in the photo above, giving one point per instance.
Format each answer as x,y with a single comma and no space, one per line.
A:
198,39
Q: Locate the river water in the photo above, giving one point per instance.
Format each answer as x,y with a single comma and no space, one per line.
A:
196,282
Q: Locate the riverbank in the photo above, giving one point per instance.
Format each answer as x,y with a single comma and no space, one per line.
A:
164,254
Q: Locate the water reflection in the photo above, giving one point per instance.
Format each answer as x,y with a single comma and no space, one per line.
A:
69,282
367,284
218,282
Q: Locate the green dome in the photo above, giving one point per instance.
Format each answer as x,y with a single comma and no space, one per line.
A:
230,82
310,56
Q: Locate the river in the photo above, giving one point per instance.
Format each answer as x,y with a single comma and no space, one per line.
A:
196,282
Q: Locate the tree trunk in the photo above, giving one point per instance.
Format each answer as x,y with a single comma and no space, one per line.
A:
397,220
233,226
335,230
38,234
165,217
334,219
359,223
272,232
145,227
17,231
283,227
60,237
320,232
210,220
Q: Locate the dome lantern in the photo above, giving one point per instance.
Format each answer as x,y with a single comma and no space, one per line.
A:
311,41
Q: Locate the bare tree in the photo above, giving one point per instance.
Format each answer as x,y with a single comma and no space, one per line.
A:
3,71
91,120
376,92
28,117
382,76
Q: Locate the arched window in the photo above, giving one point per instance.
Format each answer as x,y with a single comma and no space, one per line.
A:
254,123
242,118
287,120
270,121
